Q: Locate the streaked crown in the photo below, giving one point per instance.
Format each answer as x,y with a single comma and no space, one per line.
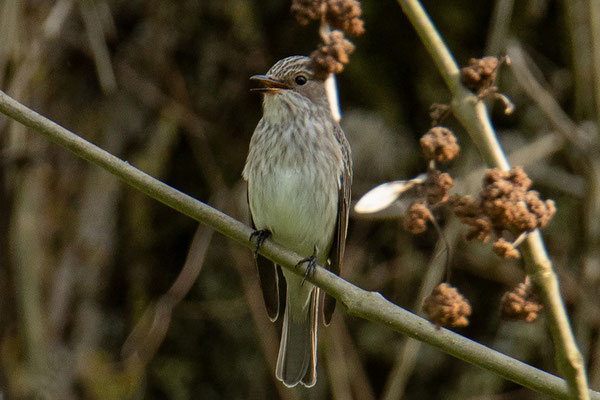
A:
290,67
295,73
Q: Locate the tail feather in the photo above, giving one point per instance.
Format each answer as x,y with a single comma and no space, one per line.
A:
297,360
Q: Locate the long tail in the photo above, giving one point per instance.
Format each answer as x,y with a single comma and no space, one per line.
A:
297,360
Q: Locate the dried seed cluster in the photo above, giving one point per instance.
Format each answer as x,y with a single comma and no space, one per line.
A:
520,303
509,203
437,186
439,144
416,218
445,306
305,10
505,204
468,210
331,56
434,191
505,249
344,17
480,73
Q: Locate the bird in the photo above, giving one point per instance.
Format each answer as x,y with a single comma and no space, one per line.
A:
298,173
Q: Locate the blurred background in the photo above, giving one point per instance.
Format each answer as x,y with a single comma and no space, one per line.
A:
92,303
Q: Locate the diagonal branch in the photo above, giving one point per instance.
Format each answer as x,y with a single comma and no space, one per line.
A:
368,305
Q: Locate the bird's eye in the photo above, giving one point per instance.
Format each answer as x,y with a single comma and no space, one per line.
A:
300,80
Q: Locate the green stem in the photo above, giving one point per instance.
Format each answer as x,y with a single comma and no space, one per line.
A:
433,42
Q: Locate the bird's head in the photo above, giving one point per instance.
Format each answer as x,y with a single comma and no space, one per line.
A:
293,73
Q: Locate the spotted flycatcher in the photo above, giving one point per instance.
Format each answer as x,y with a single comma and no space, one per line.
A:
299,174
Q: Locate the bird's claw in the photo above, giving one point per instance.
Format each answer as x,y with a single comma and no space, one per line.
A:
261,235
310,266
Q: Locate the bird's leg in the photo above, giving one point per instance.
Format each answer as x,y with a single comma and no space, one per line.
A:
311,264
261,235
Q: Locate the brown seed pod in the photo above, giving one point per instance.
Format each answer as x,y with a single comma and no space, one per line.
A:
445,306
437,186
439,144
331,56
416,218
345,15
520,303
468,210
505,249
305,10
480,73
510,205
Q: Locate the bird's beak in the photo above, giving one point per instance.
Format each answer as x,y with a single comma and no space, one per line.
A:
268,85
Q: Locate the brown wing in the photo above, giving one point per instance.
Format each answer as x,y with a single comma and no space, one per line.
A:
269,282
336,254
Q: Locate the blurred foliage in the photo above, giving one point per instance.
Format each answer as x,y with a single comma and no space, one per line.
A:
165,86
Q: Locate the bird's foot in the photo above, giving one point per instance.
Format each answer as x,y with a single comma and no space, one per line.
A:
261,235
311,264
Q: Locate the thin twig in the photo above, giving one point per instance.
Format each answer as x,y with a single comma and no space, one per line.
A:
151,329
95,34
500,24
343,364
26,257
473,115
544,100
578,28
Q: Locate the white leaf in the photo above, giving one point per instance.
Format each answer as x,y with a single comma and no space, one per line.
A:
384,195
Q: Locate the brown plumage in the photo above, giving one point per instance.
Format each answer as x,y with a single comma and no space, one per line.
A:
299,174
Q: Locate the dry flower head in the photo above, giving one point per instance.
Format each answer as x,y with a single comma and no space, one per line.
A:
505,249
344,15
439,144
468,210
480,73
520,303
416,218
331,56
508,202
305,10
437,186
445,306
